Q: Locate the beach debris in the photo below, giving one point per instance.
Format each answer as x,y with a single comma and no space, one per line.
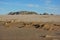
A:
36,25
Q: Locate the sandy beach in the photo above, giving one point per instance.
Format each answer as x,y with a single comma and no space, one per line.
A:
29,27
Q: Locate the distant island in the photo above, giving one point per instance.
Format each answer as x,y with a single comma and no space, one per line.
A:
27,13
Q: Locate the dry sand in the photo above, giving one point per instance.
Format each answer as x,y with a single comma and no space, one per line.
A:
29,27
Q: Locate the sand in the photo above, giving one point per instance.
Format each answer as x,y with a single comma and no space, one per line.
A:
29,27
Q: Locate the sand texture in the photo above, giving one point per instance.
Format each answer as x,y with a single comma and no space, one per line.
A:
29,27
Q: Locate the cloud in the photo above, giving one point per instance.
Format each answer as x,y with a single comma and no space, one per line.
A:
19,4
47,2
50,6
33,5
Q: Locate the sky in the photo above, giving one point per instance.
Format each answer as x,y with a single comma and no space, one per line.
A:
39,6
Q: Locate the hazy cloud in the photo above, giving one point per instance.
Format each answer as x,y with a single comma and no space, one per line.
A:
47,2
33,5
19,4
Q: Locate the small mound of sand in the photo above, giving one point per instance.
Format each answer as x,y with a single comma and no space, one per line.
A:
44,26
47,27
